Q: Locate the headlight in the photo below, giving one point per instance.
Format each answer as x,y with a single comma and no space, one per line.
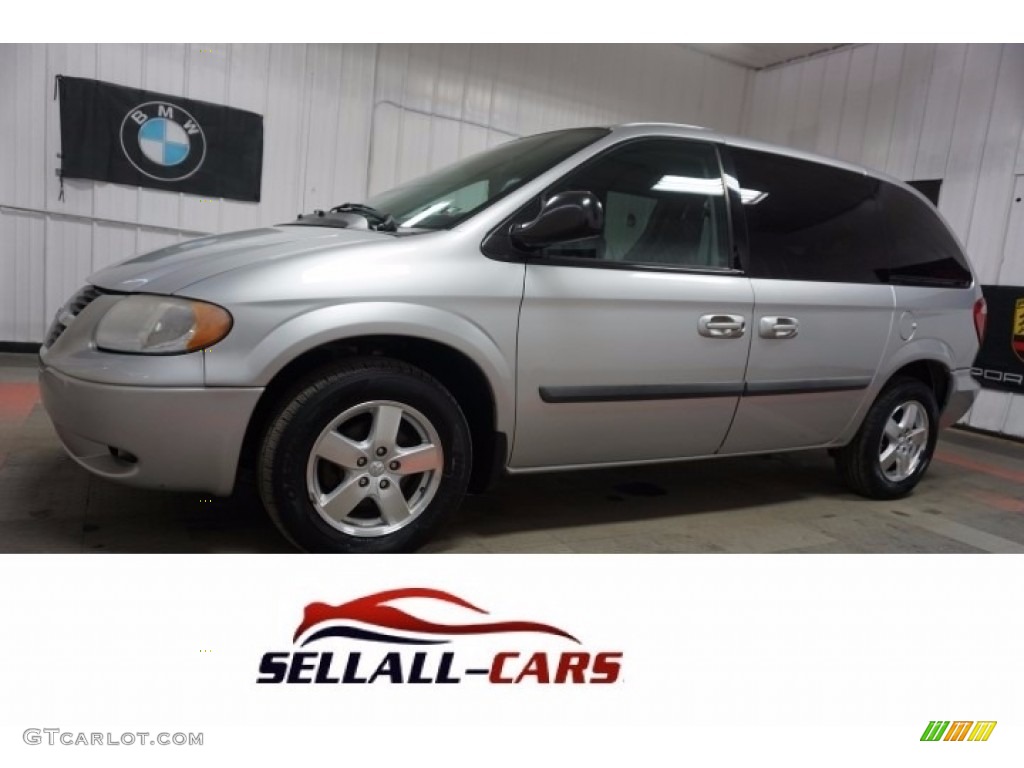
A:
161,325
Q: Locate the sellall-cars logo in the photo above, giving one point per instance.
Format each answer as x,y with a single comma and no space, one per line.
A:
374,639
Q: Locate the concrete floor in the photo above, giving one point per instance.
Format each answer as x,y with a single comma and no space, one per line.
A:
971,501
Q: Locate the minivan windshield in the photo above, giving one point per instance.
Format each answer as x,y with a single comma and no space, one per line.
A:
445,197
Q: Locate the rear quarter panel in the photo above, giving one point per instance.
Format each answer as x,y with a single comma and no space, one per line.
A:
944,334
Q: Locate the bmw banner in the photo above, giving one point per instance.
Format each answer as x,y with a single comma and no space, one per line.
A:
130,136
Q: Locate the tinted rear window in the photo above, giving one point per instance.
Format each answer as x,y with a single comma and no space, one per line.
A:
809,221
921,249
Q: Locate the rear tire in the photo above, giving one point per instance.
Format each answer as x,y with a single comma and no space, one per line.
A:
894,446
370,455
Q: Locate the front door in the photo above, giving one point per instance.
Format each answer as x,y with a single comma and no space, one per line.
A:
633,345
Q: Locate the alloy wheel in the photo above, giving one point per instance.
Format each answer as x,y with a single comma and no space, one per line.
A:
375,468
904,441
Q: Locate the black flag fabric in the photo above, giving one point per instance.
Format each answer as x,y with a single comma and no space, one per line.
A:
129,136
1000,362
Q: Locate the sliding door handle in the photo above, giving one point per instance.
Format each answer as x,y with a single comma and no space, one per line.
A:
778,327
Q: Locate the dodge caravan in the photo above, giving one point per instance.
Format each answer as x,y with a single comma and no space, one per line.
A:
583,298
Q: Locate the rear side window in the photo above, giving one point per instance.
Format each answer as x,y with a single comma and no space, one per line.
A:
807,221
921,250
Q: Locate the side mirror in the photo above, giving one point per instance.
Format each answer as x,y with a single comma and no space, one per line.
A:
563,218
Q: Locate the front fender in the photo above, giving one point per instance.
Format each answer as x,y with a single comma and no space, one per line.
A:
258,363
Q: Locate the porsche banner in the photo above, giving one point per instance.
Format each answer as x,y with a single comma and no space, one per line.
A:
141,138
1000,362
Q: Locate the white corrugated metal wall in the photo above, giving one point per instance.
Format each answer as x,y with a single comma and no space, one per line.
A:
339,120
950,112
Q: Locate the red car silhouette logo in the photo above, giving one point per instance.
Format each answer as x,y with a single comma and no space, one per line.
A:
375,618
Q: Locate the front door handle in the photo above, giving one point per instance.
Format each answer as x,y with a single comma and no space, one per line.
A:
722,326
778,327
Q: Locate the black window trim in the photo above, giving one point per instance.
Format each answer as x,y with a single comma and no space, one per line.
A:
738,239
497,246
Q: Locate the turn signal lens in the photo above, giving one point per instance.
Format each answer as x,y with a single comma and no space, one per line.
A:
212,324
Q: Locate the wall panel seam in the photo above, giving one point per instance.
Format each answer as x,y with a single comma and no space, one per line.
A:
985,145
426,113
892,117
956,111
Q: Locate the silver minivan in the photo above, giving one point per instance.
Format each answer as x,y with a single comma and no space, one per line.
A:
583,298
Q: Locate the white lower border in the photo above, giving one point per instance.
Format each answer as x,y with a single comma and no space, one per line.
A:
731,660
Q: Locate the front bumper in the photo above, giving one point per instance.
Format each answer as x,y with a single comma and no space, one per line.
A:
185,439
963,389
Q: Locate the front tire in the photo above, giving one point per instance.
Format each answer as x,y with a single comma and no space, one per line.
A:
894,446
371,455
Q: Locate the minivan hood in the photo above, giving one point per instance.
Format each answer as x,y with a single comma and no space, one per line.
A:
172,269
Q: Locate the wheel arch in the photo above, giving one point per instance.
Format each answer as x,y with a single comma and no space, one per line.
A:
932,373
931,361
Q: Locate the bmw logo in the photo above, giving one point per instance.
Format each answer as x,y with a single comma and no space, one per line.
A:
163,141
